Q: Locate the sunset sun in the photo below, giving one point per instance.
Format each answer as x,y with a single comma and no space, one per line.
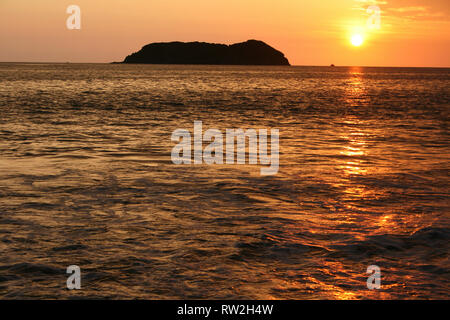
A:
357,40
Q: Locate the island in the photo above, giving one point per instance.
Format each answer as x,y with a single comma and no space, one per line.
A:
251,52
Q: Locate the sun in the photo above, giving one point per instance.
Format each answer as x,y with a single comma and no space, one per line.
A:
357,40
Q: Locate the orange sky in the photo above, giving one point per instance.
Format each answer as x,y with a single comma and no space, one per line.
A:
412,33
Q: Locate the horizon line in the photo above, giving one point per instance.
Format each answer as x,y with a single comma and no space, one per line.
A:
292,65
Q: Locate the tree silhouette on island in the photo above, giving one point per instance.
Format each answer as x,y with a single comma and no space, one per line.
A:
251,52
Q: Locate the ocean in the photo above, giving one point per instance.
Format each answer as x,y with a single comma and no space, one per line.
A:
86,179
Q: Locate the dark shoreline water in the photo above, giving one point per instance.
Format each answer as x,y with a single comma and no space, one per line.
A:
86,178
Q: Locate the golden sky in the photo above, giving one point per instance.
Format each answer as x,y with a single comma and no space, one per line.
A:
412,32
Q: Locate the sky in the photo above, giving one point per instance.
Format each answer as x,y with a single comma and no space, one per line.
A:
412,33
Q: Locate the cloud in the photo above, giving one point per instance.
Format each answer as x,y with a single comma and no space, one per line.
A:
372,2
417,13
410,10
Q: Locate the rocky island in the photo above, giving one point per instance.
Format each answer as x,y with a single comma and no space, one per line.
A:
251,52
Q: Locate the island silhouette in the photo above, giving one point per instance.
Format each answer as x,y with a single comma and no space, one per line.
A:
251,52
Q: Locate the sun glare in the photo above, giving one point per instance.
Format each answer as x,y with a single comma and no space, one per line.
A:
357,40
